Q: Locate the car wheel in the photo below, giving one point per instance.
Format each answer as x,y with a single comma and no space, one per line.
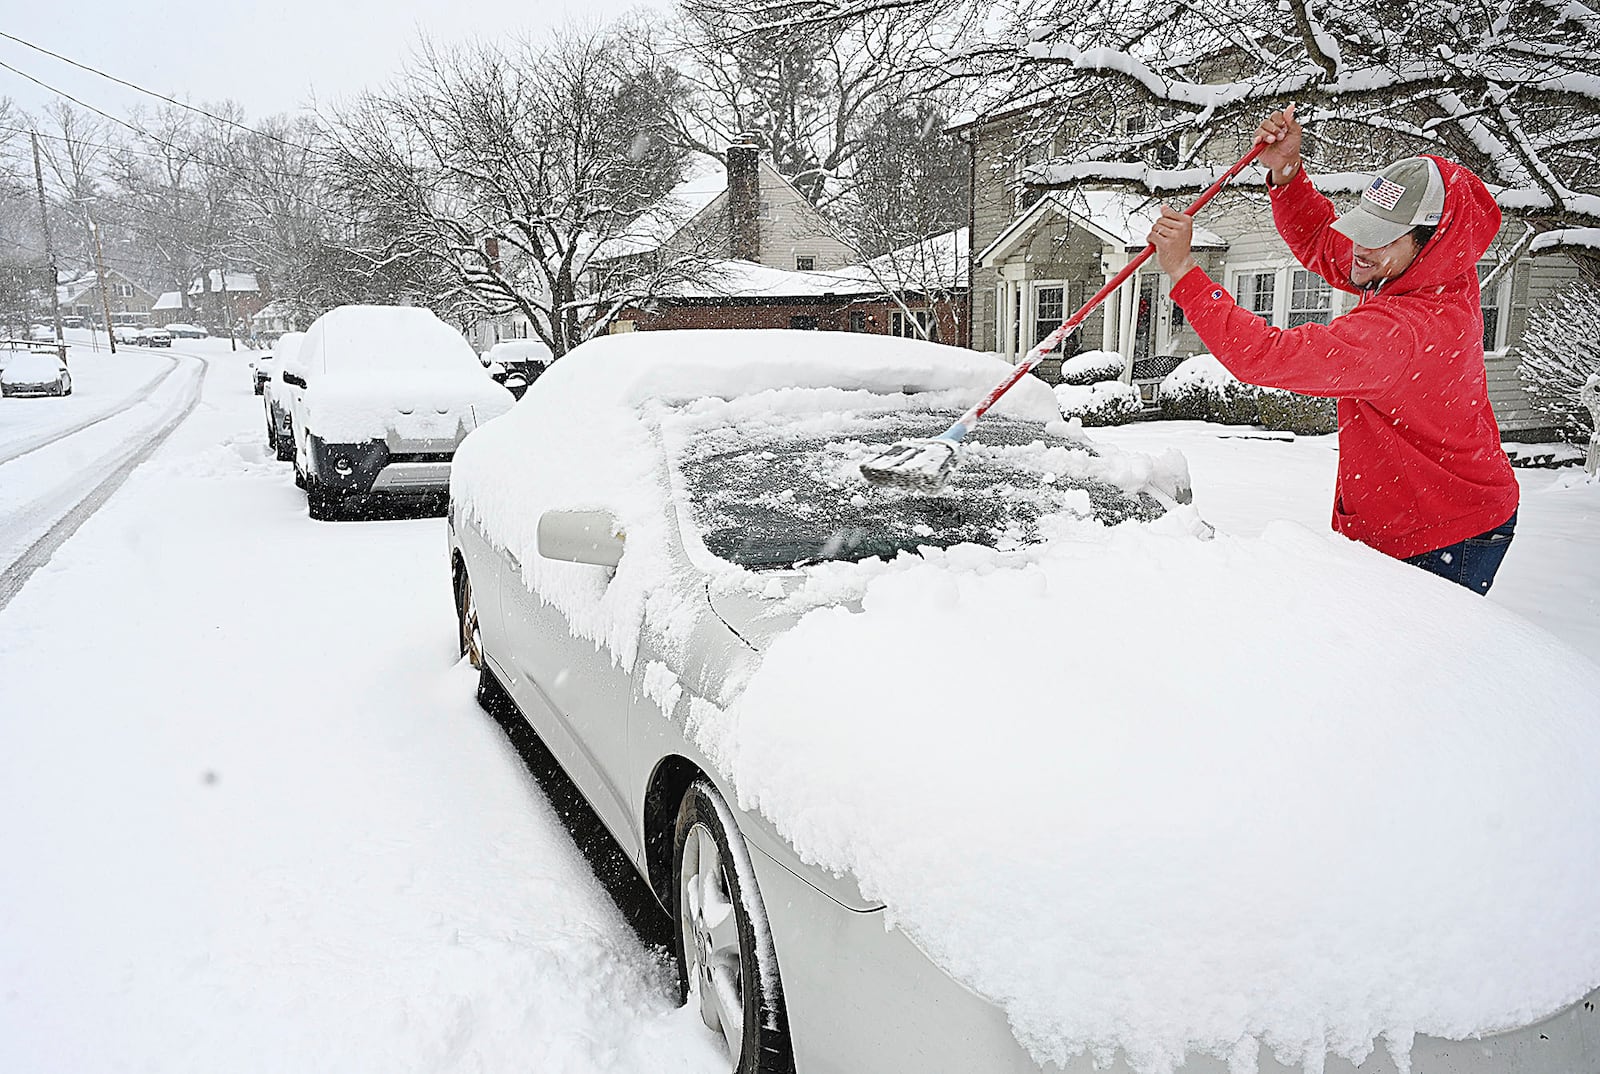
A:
468,632
285,448
726,964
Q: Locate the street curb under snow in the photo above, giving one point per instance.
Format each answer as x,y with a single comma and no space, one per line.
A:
59,509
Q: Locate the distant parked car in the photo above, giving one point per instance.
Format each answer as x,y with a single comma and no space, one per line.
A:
72,322
154,337
187,331
261,369
517,363
381,396
132,335
276,396
41,331
35,374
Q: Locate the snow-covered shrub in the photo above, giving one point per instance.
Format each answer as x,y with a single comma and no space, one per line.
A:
1560,350
1110,402
1091,367
1307,415
1201,389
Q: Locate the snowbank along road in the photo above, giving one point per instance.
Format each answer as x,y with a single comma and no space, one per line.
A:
254,820
70,462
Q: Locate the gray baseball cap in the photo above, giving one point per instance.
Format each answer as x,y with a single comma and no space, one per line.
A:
1406,194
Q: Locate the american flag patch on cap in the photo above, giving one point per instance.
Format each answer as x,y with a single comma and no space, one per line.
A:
1385,192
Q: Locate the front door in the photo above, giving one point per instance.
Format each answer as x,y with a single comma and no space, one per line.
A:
1144,318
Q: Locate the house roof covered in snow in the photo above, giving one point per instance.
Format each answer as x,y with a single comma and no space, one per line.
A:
937,262
1117,218
706,180
169,300
214,281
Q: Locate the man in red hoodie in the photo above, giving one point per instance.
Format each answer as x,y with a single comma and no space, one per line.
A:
1422,475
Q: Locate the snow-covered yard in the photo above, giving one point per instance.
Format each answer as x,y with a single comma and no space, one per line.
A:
255,822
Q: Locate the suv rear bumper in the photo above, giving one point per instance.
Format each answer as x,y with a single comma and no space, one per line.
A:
369,466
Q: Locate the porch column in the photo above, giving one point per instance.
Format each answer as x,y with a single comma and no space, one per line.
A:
1111,262
1130,312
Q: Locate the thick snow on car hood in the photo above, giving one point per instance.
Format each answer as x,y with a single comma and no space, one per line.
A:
1149,793
1168,796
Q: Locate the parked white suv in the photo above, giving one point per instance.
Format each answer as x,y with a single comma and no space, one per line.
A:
380,398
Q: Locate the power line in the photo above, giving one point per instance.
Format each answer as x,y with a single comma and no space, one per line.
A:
152,93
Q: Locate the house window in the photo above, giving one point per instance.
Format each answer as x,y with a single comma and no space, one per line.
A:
858,320
921,324
124,290
1049,310
1494,300
803,323
804,264
1254,291
1310,299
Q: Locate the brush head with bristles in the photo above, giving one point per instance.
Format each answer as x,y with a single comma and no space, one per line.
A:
919,465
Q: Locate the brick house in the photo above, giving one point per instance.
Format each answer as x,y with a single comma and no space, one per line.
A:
1040,249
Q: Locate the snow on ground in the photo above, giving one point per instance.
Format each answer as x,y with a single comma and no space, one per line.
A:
101,383
254,821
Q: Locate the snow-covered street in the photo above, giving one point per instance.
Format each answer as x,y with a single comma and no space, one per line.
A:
254,819
256,822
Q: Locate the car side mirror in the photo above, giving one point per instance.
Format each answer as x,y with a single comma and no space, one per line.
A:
294,378
581,537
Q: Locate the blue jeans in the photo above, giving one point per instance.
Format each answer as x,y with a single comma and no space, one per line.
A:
1473,562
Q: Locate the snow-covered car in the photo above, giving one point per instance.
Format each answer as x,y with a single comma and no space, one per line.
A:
180,330
130,334
517,363
35,374
276,395
380,398
154,337
41,331
1039,771
262,367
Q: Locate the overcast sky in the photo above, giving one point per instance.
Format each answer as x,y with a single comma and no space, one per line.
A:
270,57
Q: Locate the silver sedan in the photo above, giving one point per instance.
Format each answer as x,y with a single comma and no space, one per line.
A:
789,964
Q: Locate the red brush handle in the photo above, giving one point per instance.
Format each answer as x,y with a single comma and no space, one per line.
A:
1048,344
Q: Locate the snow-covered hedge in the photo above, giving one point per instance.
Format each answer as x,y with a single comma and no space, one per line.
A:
1109,402
1560,350
1091,367
1307,415
1202,389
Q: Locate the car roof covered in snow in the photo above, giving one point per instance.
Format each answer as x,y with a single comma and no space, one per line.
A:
354,338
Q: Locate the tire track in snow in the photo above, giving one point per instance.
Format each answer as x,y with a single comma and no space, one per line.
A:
15,576
133,399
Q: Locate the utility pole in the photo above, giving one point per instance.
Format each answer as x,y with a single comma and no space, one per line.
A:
49,246
100,268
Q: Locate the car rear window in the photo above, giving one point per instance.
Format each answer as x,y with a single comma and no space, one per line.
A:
765,496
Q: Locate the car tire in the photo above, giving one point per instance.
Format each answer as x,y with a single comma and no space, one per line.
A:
726,962
285,450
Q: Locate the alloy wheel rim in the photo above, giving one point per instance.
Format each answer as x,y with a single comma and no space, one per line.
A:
710,934
471,636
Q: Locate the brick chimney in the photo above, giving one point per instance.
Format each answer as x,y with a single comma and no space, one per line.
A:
744,201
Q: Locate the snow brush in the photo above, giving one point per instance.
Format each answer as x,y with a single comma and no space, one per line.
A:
924,465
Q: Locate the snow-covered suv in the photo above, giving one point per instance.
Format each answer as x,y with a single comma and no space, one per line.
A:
380,398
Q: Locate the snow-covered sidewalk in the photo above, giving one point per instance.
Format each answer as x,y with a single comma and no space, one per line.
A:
254,821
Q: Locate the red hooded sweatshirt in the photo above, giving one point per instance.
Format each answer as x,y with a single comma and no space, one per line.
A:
1420,461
